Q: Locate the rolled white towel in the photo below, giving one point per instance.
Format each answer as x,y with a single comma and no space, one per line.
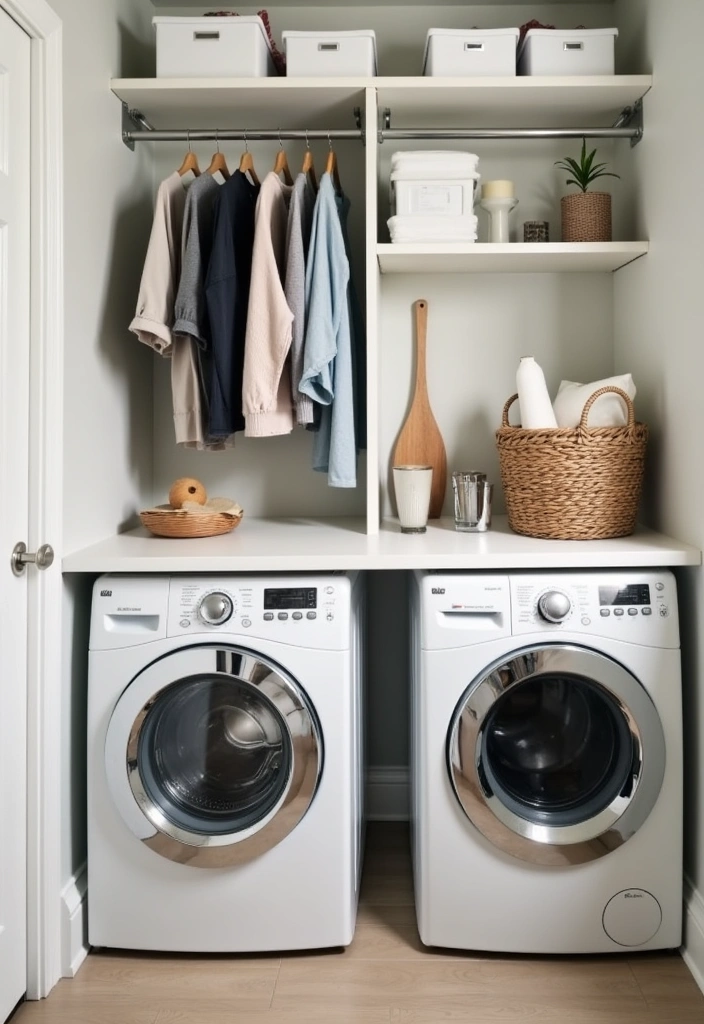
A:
607,411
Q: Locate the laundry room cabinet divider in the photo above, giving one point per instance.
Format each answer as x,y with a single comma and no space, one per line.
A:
488,305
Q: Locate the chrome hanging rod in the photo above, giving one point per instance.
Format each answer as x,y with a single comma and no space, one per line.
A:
508,133
239,134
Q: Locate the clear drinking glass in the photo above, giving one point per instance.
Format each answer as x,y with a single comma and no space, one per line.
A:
473,497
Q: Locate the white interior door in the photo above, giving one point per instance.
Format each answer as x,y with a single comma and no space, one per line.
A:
14,482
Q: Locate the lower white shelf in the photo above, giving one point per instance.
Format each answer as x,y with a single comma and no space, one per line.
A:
294,545
510,258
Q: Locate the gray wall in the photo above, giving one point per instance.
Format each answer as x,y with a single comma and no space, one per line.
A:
107,379
658,325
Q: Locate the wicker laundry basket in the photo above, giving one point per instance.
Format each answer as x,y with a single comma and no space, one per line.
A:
573,483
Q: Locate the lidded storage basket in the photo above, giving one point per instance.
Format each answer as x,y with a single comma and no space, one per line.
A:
573,483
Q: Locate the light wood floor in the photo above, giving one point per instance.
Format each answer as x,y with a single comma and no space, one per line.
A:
385,976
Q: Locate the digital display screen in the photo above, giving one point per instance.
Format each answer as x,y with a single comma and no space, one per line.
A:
636,593
283,600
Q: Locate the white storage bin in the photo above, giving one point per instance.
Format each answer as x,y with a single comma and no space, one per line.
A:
548,51
470,52
330,54
433,198
212,48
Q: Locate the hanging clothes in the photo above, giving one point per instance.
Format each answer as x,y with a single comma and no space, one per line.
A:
300,220
227,287
266,387
358,336
154,317
328,376
190,370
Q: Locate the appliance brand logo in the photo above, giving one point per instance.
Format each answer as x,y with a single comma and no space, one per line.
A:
634,896
106,593
438,590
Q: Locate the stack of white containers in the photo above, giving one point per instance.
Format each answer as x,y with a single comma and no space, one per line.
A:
432,196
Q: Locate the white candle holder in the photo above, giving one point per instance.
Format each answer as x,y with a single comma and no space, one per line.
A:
498,210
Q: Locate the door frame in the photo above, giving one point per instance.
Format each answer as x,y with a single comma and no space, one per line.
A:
45,589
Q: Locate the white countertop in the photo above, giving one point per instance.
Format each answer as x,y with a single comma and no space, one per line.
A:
280,545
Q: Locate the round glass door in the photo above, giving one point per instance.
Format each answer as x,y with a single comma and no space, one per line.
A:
222,752
557,755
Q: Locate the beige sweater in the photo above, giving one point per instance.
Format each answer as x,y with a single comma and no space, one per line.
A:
266,386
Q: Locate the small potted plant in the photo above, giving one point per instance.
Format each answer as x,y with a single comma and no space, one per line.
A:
586,216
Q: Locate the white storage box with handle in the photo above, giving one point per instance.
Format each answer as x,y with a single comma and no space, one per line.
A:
224,47
433,197
470,53
547,51
330,54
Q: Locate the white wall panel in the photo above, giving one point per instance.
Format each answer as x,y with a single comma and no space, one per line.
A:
658,328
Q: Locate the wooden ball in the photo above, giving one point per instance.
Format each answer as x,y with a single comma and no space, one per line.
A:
187,489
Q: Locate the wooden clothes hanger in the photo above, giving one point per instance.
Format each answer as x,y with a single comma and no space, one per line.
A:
281,164
218,161
247,164
331,168
190,161
308,167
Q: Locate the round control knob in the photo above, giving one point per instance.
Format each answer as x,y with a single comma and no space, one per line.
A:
554,606
215,609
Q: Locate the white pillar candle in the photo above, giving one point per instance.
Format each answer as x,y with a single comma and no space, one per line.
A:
498,190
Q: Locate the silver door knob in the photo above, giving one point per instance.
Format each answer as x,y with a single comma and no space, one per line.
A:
43,557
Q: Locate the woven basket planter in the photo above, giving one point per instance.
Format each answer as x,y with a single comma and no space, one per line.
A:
573,483
586,217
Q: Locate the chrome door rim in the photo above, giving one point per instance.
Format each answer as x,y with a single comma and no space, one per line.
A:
303,733
546,844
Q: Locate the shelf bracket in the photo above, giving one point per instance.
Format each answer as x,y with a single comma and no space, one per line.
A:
132,119
632,117
359,121
384,123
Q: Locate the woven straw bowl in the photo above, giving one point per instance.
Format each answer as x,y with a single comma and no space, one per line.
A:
573,483
167,522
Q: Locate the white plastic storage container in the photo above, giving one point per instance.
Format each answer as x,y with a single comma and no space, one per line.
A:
546,51
330,54
212,48
470,52
433,198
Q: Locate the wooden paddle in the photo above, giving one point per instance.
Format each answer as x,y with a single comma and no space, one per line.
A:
420,441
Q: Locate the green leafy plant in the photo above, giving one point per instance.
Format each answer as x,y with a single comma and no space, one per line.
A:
584,171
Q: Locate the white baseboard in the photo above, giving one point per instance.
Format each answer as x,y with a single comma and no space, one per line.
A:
693,945
74,923
388,794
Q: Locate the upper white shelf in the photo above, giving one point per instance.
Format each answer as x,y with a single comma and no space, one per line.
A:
514,258
295,103
291,545
530,102
300,103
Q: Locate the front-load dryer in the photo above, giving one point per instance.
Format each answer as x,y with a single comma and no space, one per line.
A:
224,762
547,761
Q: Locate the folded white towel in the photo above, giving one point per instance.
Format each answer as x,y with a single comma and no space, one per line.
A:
608,410
433,172
432,229
433,164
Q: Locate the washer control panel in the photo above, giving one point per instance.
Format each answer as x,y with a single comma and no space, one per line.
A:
307,611
638,607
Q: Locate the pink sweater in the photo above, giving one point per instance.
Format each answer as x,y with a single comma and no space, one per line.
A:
266,386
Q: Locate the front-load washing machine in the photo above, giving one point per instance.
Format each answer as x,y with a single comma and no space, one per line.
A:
224,762
547,761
